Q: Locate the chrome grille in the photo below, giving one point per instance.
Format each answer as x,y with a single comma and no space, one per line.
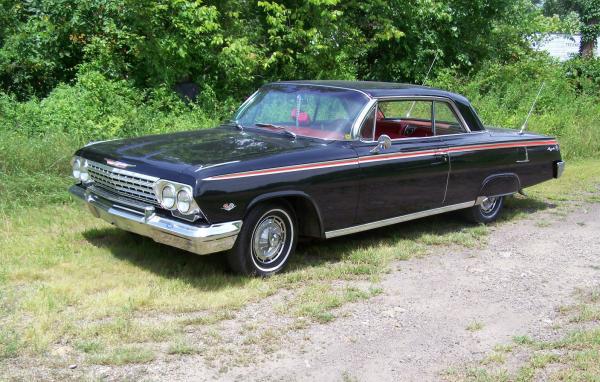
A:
123,182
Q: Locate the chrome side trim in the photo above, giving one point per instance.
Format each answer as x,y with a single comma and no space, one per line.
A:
396,220
199,239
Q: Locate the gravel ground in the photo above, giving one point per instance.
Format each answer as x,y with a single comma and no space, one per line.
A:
419,327
435,313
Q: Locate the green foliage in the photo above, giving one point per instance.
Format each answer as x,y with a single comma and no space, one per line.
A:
38,137
567,108
230,47
589,16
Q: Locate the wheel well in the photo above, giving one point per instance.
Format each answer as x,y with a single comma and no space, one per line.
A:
500,184
307,215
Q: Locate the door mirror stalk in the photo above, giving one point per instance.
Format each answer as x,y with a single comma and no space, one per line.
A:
383,143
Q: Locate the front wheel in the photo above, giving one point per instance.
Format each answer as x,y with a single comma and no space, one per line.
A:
268,237
487,211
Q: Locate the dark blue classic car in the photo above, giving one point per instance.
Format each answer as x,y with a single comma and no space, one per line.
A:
315,159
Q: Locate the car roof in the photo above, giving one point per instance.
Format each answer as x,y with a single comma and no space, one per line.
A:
376,89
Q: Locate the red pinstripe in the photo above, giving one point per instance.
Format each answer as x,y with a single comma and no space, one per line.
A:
379,158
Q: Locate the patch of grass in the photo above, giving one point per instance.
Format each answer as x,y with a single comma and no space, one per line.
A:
543,224
575,357
523,340
9,343
89,346
494,358
507,348
182,347
474,326
123,356
317,301
586,313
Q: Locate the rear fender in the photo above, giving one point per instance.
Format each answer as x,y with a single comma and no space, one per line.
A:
500,185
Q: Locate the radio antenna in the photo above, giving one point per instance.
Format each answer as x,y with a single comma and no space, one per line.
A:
525,124
424,81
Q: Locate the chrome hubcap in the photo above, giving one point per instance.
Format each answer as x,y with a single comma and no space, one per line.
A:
488,204
268,239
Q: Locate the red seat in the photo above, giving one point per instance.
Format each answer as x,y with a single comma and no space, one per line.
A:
302,117
402,129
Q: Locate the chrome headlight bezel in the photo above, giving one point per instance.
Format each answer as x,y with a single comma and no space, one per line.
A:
178,188
184,201
170,201
79,169
76,168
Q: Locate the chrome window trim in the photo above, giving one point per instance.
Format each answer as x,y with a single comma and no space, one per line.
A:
326,86
360,116
396,220
360,119
245,104
356,130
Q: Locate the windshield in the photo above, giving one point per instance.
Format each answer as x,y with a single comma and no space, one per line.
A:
311,111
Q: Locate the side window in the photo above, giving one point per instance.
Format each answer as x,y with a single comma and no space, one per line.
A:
404,119
406,109
446,121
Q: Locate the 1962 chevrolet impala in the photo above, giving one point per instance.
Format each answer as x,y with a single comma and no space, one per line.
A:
313,158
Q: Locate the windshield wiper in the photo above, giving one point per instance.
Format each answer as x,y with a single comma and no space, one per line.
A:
272,126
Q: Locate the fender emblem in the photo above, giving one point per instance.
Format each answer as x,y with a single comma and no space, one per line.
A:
552,148
117,164
228,206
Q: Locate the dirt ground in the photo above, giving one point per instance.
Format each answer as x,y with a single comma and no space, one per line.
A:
435,313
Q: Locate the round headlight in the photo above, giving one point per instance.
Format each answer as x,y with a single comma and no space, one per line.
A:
184,201
168,196
83,172
77,168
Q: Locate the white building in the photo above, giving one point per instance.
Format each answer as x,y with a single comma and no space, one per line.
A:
561,46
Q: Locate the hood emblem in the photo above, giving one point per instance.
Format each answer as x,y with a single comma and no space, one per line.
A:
228,206
117,164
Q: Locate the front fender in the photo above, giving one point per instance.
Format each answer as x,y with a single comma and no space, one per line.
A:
307,211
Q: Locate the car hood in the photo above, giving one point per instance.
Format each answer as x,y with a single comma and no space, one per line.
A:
201,148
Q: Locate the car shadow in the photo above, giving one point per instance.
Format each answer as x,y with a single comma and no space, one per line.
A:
201,271
207,273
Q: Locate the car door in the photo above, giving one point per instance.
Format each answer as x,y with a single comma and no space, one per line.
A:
412,174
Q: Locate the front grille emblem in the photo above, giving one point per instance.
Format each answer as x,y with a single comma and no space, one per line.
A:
118,164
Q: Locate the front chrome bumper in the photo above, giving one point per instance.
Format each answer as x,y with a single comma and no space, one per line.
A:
559,168
201,240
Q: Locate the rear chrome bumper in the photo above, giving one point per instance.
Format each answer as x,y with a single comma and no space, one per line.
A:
559,168
201,240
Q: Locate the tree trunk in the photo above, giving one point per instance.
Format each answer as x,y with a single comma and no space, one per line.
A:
587,47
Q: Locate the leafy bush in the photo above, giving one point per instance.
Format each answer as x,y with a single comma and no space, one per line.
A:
503,94
38,137
98,108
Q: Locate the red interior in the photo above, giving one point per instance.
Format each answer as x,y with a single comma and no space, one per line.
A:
405,128
302,117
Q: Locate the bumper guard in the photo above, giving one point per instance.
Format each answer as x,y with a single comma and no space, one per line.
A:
201,240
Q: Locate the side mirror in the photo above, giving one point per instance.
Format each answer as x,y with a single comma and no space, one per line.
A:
383,143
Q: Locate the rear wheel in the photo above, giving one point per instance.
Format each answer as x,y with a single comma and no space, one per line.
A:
487,211
268,237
